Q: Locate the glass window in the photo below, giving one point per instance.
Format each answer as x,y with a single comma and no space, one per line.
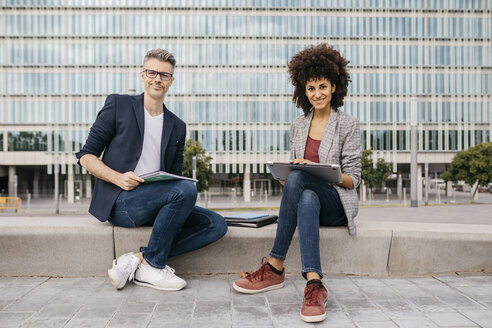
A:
27,141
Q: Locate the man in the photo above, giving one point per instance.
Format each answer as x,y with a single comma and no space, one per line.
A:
138,134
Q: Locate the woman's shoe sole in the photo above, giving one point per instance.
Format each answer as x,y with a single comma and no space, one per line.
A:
314,318
254,291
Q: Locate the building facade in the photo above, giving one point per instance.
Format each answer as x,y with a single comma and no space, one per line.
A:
59,59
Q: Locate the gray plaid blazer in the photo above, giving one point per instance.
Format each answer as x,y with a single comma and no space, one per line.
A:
340,145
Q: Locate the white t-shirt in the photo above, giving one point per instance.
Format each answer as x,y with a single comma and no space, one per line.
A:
150,159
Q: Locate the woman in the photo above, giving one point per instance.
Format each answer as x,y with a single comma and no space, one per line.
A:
324,134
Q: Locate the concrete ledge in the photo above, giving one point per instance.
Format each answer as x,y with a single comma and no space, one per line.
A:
241,249
81,246
432,248
60,246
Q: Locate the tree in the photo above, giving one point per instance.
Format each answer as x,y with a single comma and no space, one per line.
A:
204,172
374,175
472,165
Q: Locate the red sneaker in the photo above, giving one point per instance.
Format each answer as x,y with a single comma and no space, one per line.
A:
313,307
261,280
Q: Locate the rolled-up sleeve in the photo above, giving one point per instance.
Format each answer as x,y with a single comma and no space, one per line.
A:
351,153
102,131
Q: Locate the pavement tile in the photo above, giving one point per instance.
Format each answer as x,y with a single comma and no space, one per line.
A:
430,304
31,281
480,317
239,299
218,310
367,315
15,292
251,316
347,294
336,320
275,297
366,282
87,323
7,281
414,322
452,319
398,283
5,303
168,324
396,307
340,283
137,307
173,312
58,311
144,294
285,311
291,322
96,311
129,320
71,299
177,297
14,319
332,304
201,323
45,323
476,291
357,304
380,293
28,304
213,289
377,324
433,286
460,302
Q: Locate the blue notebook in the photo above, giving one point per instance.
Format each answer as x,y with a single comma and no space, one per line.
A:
254,220
247,215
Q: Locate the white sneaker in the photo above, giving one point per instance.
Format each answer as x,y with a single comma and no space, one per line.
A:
123,269
162,279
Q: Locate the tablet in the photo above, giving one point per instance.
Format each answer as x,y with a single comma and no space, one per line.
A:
330,173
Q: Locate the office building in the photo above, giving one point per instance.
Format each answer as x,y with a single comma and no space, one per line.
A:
59,59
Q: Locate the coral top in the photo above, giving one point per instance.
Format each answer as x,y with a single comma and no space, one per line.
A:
312,147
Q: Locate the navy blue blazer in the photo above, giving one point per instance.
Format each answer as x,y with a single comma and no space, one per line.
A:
119,131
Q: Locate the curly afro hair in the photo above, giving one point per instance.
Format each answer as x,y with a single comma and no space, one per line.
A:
315,62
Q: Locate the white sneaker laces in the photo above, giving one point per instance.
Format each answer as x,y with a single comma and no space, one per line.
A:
169,271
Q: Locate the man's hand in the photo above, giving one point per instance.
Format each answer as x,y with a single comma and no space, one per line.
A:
129,181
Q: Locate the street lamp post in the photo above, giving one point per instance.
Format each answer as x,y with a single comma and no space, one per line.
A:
413,150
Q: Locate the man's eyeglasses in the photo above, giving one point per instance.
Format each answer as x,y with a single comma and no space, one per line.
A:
165,76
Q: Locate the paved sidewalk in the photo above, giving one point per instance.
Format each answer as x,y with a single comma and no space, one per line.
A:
209,301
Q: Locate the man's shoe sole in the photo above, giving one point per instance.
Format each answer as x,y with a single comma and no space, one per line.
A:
254,291
146,284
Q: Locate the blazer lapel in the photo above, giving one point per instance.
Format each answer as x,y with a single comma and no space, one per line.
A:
303,135
138,109
328,136
167,128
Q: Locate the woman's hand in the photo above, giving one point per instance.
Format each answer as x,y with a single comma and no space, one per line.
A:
282,182
300,161
346,182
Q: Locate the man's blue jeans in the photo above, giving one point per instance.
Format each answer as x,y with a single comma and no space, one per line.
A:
306,204
178,225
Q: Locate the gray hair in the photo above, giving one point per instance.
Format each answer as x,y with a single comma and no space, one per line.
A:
160,54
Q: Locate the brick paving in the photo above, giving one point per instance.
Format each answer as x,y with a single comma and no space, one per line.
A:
209,301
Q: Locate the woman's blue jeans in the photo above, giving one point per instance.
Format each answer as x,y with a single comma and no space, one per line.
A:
178,225
306,204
